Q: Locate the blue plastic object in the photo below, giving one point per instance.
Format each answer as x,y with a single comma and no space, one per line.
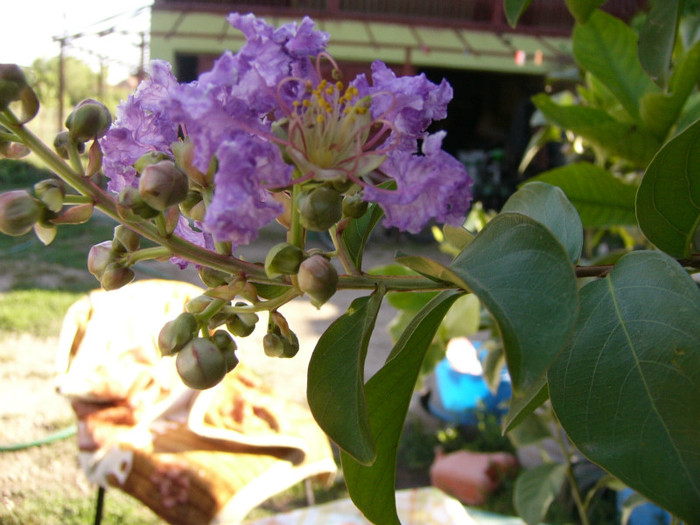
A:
461,397
644,514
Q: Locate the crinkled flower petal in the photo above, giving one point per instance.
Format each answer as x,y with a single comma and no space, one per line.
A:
241,204
195,235
434,185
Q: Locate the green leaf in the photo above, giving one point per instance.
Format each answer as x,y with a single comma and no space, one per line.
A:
660,111
627,388
549,206
582,9
514,10
524,276
523,403
410,301
623,139
535,489
601,199
657,37
335,384
355,235
388,395
668,199
463,318
607,47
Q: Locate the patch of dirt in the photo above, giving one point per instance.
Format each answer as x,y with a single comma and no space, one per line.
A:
31,410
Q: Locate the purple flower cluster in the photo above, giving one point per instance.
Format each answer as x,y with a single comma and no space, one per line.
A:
231,116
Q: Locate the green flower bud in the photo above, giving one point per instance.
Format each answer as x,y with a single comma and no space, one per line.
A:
273,345
184,157
115,276
353,206
12,82
19,211
152,157
193,206
61,142
198,304
131,199
162,185
318,279
291,346
283,259
200,364
218,319
177,333
89,120
211,277
51,192
126,239
320,208
242,325
99,257
225,343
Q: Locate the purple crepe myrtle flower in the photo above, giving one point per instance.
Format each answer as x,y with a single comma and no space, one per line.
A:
191,231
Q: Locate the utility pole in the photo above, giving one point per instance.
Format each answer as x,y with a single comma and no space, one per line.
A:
61,80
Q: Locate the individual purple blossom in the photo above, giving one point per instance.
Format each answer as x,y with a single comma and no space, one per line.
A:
141,126
241,204
434,185
191,233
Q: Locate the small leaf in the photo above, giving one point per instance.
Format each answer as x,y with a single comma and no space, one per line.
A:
335,384
607,47
523,403
626,388
357,232
75,214
657,38
582,9
668,200
514,10
549,206
457,237
535,489
623,139
94,159
372,488
601,199
46,233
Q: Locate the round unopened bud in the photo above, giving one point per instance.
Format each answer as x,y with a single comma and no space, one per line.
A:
177,333
51,192
242,325
125,239
19,211
273,345
353,206
200,364
198,304
115,276
225,343
131,199
318,279
152,157
283,259
320,208
61,143
162,185
89,120
12,82
99,257
183,151
193,206
291,346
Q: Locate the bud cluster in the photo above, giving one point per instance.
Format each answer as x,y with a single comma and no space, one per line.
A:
108,261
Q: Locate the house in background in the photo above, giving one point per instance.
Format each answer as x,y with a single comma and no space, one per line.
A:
493,68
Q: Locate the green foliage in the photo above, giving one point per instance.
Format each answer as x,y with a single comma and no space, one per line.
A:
38,312
657,39
536,489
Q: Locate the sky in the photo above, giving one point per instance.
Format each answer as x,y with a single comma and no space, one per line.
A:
27,28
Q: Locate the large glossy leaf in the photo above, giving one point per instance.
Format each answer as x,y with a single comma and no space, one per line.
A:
657,37
627,388
623,139
582,9
607,47
514,10
668,200
335,383
548,205
535,490
524,276
660,111
388,395
601,199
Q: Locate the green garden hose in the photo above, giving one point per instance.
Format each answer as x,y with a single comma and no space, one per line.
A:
55,436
